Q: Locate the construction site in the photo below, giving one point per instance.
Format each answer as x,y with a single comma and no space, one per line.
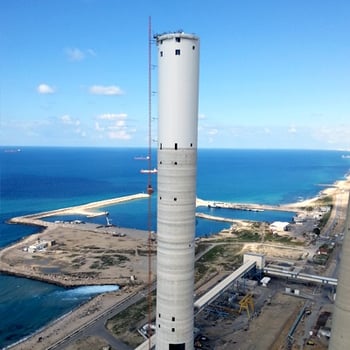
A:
275,294
254,288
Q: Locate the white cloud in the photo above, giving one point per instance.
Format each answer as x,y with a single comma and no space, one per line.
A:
45,89
213,132
337,135
91,52
112,116
75,54
98,127
70,126
80,132
118,125
119,135
292,129
111,90
68,120
114,126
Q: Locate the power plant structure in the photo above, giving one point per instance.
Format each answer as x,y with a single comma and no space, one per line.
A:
340,335
178,80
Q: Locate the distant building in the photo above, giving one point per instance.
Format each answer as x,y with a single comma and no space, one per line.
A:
39,246
279,226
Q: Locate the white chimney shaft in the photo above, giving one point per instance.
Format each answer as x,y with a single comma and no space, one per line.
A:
178,75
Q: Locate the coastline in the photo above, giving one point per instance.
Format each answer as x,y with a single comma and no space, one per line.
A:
73,321
132,244
329,190
69,323
10,259
338,188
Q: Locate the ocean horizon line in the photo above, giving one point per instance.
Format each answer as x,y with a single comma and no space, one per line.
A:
154,148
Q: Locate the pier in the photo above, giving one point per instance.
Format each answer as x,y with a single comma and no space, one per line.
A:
246,207
218,218
84,209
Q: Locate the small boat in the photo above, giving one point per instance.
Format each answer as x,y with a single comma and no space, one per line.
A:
12,150
141,158
148,171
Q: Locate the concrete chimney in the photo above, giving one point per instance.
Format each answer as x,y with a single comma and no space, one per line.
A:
178,75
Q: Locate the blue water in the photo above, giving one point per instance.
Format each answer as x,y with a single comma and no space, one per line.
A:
39,179
25,312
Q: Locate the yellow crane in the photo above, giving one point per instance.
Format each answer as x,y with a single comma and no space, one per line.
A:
247,304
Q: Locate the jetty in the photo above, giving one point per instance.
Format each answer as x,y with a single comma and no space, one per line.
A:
70,254
84,209
219,218
243,206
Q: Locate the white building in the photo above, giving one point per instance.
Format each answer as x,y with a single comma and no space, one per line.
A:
279,226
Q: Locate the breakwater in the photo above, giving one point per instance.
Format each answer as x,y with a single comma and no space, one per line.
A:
245,207
84,209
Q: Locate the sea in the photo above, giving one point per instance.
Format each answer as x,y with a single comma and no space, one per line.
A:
35,179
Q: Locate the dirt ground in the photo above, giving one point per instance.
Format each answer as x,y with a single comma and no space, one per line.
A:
93,343
83,255
264,332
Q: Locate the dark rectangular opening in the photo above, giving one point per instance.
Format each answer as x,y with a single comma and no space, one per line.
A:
177,52
175,145
177,346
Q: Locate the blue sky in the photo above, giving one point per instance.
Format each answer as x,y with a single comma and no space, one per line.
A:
273,73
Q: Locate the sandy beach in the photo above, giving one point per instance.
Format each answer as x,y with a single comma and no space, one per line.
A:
340,188
76,258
